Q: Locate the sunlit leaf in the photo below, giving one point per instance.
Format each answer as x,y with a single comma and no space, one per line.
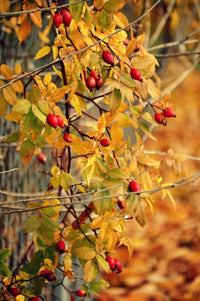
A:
6,71
24,30
90,270
42,52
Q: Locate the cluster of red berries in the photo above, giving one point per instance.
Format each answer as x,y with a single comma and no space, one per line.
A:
161,117
55,120
109,59
114,264
48,275
63,17
94,80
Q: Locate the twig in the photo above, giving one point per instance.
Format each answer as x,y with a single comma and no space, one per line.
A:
9,170
165,56
164,154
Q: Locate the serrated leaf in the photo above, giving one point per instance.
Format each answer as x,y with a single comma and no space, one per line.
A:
18,86
84,253
4,270
47,228
116,133
145,128
31,224
103,264
153,91
127,80
42,52
90,271
115,100
6,71
4,253
140,214
76,10
26,151
114,5
97,286
22,106
76,104
38,113
104,18
10,95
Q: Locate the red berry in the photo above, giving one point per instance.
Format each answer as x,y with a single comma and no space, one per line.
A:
135,74
108,57
121,204
99,83
67,18
118,266
111,262
90,82
34,299
159,117
57,19
52,120
14,291
45,272
60,121
168,113
134,186
105,142
72,298
94,74
80,293
42,158
60,245
50,277
67,138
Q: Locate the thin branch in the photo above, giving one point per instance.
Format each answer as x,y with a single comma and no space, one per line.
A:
164,154
9,170
171,44
54,62
18,13
162,22
182,182
165,56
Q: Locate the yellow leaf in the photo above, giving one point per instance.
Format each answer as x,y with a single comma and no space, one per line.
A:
24,30
14,116
67,261
76,104
18,68
6,71
19,298
146,160
101,124
116,133
120,19
55,52
10,95
18,86
47,79
42,52
90,270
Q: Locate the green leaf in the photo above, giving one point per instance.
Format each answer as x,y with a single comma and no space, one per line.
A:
103,263
104,18
114,5
84,253
49,252
76,10
47,228
38,113
4,269
147,116
22,106
13,137
33,267
115,100
131,203
32,224
97,286
4,253
38,284
26,151
145,128
90,270
127,80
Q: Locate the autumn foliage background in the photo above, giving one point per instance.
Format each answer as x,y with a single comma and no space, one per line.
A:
154,235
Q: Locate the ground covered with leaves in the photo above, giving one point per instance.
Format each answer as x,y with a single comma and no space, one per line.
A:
166,260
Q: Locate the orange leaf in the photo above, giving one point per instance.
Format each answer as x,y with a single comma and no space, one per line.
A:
4,6
116,133
35,17
24,30
6,71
